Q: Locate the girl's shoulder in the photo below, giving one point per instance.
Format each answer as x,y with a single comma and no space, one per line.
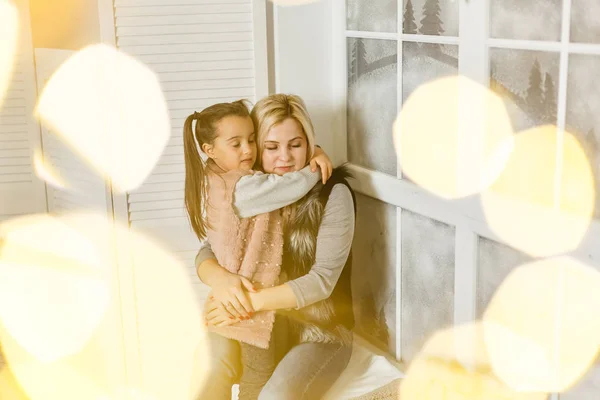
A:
229,177
213,171
235,174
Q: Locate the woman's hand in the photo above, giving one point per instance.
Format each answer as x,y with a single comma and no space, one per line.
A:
321,160
228,291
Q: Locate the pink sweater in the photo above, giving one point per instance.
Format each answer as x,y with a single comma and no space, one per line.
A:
251,247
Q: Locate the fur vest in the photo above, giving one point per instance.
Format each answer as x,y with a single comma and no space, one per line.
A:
330,320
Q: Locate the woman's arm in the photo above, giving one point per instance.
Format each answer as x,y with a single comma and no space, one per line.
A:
204,253
334,241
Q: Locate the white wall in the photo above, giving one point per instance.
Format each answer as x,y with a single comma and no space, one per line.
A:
306,59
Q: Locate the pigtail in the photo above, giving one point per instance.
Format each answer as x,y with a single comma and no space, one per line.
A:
194,137
196,183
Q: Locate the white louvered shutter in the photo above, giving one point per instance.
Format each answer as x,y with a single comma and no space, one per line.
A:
86,189
21,191
203,53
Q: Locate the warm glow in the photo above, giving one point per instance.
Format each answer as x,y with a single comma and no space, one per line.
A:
52,290
437,374
47,172
541,327
66,306
531,207
110,109
9,388
128,394
60,311
293,2
53,381
167,308
453,137
9,34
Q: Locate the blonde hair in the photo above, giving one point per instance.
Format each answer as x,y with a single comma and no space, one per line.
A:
273,110
203,132
276,108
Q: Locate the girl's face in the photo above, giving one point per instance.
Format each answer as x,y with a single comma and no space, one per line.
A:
235,145
285,148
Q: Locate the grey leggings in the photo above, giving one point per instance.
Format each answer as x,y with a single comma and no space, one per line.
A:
307,371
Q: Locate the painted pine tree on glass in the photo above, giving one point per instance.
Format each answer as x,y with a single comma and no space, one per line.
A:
535,96
409,24
431,23
358,61
549,100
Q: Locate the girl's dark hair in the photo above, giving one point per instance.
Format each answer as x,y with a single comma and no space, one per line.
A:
204,132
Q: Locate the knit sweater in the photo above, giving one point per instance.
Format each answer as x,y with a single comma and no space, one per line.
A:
250,247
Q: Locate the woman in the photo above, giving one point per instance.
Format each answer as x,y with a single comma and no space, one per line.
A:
318,236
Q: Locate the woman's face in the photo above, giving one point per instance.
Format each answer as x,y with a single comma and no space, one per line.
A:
285,148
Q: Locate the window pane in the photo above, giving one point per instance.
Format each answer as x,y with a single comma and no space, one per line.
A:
372,103
430,17
585,21
427,280
374,271
372,15
526,19
583,105
495,261
424,62
587,389
528,82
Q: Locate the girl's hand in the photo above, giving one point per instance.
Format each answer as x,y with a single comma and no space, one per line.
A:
228,291
322,160
216,315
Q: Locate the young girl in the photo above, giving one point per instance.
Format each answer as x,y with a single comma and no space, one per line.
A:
250,247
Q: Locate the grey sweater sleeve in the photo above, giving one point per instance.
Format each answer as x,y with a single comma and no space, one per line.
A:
262,193
333,247
205,253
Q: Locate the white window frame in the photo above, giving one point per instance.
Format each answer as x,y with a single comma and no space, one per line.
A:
465,216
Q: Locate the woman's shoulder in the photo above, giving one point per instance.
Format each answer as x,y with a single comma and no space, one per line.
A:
341,192
339,187
339,213
341,174
340,201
